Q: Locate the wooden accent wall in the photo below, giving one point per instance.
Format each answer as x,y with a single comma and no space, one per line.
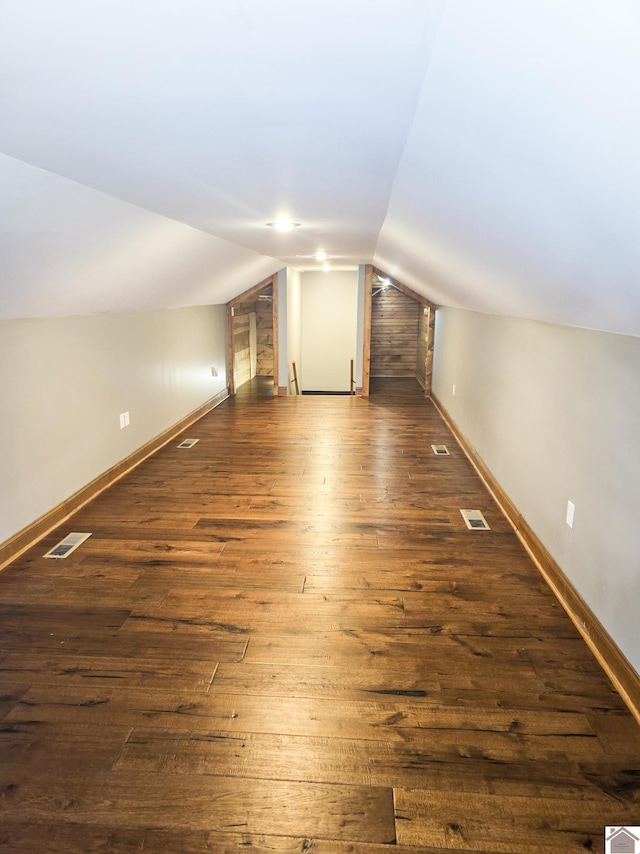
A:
423,336
431,337
264,328
262,309
266,316
395,322
241,348
366,347
389,338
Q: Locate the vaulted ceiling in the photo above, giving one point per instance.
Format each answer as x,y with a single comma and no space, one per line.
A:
485,152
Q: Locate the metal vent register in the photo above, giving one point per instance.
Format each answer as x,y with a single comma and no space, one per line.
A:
475,520
188,443
66,546
440,450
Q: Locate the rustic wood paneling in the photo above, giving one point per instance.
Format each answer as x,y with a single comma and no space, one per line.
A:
264,328
260,300
241,349
395,320
422,349
263,311
431,337
366,346
276,334
425,337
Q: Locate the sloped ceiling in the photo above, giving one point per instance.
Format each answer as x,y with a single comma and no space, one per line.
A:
518,192
485,153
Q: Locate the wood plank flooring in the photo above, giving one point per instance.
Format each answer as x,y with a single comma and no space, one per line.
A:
285,639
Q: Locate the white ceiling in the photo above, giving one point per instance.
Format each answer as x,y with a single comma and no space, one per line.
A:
485,152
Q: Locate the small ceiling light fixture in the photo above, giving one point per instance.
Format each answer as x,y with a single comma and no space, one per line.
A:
283,225
321,256
326,267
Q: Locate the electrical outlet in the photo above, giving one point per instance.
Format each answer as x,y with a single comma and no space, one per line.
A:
214,372
124,420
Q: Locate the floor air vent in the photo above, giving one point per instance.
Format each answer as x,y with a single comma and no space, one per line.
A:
66,546
188,443
475,520
440,450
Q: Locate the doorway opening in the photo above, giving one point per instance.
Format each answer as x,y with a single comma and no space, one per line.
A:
398,338
252,356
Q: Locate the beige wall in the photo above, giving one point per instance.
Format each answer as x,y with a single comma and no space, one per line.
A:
300,332
554,412
292,351
65,381
329,330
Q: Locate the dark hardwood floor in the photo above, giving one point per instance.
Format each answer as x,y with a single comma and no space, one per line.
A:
285,639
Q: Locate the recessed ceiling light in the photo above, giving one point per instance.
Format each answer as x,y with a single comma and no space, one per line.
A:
283,225
326,268
321,256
